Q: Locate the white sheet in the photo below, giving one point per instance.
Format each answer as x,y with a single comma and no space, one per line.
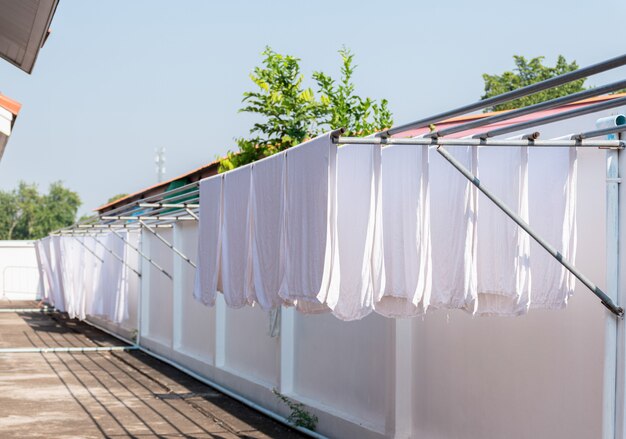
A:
207,280
406,225
310,251
358,188
266,217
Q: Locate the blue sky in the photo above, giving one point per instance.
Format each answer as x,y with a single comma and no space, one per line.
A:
118,79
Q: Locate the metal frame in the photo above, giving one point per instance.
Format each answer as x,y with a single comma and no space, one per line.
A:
165,209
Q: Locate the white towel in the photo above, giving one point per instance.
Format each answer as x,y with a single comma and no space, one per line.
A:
406,224
58,296
267,210
552,214
453,230
44,269
310,251
235,234
502,246
358,188
207,280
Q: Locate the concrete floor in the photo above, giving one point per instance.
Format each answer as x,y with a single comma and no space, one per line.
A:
107,394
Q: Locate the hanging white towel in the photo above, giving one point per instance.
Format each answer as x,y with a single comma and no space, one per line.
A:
44,269
58,297
406,236
453,230
552,214
235,234
310,246
358,192
502,246
267,210
207,280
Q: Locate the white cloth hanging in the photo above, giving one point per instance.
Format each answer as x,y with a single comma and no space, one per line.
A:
207,280
453,230
266,217
552,214
406,232
235,264
502,246
359,246
310,244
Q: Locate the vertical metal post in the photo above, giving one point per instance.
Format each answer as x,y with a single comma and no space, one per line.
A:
612,271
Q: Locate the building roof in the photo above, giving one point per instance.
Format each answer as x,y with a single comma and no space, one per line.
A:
8,112
24,27
211,168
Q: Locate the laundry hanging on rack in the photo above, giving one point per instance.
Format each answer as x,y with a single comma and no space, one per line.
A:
401,232
88,275
503,248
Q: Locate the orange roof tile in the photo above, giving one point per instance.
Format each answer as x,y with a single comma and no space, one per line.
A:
10,105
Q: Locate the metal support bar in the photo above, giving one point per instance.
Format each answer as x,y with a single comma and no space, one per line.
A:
512,95
116,256
191,213
606,300
592,92
88,249
147,258
57,350
26,310
553,118
121,226
600,133
147,217
481,142
167,243
171,205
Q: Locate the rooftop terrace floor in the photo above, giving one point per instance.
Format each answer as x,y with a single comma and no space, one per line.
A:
113,394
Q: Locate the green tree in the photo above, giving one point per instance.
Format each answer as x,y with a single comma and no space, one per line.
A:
528,72
26,214
116,197
341,107
291,113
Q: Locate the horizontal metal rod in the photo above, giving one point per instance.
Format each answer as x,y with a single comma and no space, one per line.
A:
592,92
599,133
144,218
147,258
167,243
26,310
553,118
512,95
57,350
109,226
171,205
481,142
606,300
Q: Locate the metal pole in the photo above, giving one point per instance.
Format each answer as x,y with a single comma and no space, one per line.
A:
88,249
167,243
553,118
56,350
612,278
606,300
147,217
191,213
480,142
599,133
147,258
170,205
592,92
512,95
116,256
